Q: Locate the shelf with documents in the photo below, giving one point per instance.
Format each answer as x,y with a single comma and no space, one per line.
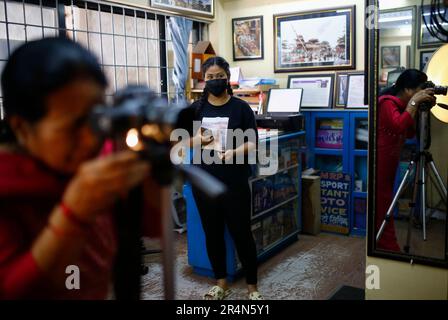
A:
337,142
252,96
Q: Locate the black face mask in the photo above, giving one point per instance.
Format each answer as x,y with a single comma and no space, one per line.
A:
216,87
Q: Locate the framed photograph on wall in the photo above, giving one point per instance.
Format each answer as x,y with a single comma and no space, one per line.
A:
355,91
315,40
317,89
204,8
247,38
424,38
425,57
340,90
390,57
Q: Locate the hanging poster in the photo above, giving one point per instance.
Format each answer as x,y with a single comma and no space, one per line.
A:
335,201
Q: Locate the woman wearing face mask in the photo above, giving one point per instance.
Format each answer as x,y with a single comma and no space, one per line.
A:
398,107
217,107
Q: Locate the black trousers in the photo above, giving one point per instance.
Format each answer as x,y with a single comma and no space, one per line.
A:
235,213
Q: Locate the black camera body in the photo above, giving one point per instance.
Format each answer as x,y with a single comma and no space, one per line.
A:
136,106
438,90
152,119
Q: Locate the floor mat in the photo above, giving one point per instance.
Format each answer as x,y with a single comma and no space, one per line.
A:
348,293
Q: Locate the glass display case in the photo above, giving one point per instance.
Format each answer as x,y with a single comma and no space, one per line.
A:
275,208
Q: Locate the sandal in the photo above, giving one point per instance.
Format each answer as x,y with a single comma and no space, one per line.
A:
216,293
255,296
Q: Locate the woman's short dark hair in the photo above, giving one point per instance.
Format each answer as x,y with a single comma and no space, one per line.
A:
39,68
409,79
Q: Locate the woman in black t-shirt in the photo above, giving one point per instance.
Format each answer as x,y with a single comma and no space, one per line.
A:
219,113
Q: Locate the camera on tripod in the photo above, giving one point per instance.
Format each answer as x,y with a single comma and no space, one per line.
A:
438,90
142,121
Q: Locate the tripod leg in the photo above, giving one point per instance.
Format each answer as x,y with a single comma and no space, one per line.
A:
423,200
436,173
435,183
395,200
412,207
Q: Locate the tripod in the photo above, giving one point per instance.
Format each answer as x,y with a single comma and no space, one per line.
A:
421,164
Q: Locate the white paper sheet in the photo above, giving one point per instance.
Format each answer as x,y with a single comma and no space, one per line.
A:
218,127
355,97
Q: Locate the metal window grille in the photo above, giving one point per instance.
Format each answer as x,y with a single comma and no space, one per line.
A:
131,44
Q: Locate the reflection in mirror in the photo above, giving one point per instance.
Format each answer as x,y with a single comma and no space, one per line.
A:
410,197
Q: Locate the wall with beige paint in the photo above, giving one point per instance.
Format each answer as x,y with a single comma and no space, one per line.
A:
403,281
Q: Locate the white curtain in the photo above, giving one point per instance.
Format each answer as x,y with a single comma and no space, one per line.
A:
180,29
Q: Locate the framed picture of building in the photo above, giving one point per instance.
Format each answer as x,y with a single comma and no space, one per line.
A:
204,8
247,38
315,40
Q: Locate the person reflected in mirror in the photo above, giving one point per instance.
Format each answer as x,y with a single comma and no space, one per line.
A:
397,109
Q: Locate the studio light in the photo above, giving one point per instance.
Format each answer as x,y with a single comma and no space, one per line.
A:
437,71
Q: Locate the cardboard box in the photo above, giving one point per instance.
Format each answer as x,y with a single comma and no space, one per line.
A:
311,207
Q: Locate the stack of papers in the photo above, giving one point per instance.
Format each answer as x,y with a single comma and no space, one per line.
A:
253,82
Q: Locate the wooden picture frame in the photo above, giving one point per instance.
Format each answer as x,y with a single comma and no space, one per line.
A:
354,89
390,57
315,40
247,38
205,8
340,89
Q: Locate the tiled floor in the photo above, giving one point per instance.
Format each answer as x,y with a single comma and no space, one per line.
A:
312,268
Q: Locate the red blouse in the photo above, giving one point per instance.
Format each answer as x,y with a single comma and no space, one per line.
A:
394,126
28,194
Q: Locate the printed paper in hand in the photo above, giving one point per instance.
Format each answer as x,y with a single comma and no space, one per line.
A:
218,127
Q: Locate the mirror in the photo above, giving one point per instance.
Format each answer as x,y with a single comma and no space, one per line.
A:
408,162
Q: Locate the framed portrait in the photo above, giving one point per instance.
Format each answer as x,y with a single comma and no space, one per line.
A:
315,40
425,57
203,8
390,57
317,89
425,39
355,91
247,38
340,90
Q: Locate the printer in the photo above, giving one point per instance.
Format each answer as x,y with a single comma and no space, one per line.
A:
283,111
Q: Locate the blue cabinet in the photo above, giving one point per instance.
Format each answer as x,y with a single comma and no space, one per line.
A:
337,142
275,210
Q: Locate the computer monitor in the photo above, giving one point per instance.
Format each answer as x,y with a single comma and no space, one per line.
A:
284,101
393,75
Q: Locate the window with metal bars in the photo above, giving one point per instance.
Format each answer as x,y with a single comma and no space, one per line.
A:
131,44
